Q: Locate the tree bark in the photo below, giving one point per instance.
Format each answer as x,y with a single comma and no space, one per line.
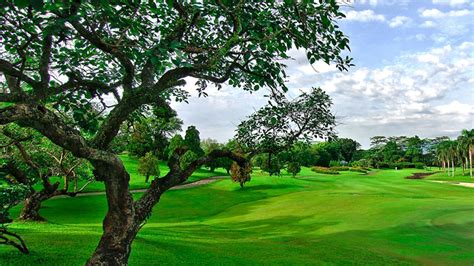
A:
453,166
449,173
470,162
119,225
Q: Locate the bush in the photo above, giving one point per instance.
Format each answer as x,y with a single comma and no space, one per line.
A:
383,165
360,163
359,169
352,169
420,165
402,165
334,163
340,168
324,170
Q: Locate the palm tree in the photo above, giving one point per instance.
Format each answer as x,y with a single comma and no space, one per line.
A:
452,152
463,152
442,152
467,137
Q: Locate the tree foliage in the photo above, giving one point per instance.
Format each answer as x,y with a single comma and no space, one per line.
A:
151,131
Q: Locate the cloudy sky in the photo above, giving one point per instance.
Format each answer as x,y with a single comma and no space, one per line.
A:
414,75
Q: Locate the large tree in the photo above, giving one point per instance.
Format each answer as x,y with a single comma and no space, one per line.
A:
63,57
348,148
281,123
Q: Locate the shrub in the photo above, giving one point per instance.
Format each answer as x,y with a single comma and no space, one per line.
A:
340,168
334,163
402,165
360,163
383,165
359,169
420,165
324,170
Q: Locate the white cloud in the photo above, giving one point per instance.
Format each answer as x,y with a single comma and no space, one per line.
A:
364,16
428,24
455,108
399,21
428,58
318,67
452,3
436,13
448,25
373,3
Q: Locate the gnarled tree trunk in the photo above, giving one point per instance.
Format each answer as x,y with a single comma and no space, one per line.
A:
32,206
119,225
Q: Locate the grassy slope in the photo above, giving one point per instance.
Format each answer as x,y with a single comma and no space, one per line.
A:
380,218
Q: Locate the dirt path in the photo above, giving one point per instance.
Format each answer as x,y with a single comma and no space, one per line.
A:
463,184
182,186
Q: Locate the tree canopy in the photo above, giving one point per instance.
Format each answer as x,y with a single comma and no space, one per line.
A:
76,70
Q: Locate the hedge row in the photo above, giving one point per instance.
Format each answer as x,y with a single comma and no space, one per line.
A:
401,165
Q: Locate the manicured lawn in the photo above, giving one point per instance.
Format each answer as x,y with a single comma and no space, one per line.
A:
378,219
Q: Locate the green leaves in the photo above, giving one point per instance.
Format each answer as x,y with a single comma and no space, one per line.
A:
326,22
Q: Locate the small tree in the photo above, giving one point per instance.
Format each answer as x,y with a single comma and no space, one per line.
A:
193,142
293,168
148,166
240,174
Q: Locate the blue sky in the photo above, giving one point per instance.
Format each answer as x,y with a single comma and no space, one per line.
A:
414,75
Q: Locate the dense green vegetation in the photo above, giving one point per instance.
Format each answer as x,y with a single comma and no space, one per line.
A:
378,218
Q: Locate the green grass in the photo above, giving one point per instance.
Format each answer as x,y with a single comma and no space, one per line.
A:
379,218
